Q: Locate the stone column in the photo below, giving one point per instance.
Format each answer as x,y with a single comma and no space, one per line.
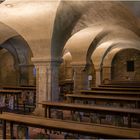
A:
106,74
55,80
98,76
43,83
80,78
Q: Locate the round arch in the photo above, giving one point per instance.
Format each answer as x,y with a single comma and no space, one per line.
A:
108,42
107,62
80,43
18,47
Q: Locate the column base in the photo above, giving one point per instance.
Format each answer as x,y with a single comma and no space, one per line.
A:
39,111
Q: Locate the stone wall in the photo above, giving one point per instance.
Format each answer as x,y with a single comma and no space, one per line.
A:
8,73
12,74
119,66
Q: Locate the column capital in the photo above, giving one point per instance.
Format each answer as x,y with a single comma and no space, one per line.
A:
107,66
26,65
97,68
46,61
41,61
78,65
56,62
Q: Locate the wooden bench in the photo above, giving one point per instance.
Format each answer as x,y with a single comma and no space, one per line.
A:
14,93
47,105
67,126
19,88
124,83
25,107
18,104
109,92
11,92
120,86
116,89
122,100
25,91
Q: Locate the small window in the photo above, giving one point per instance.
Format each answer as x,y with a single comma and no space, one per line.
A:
130,66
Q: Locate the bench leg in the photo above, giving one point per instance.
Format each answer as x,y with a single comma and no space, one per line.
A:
4,129
129,120
24,108
47,112
14,104
17,102
11,130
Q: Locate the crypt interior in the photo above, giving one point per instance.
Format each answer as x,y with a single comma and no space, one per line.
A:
51,50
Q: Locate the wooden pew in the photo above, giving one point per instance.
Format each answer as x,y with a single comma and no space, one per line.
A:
113,93
19,88
14,93
28,86
124,83
2,109
109,92
116,89
120,86
47,105
25,92
107,98
10,91
67,126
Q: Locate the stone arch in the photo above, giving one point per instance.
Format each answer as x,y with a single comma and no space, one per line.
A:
107,61
121,35
111,54
11,36
19,49
80,43
76,16
70,13
119,71
107,42
84,42
36,28
66,10
6,32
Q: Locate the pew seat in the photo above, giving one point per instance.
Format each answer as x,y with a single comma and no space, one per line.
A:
122,100
73,107
103,131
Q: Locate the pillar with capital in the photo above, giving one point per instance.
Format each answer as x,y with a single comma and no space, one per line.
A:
55,79
43,83
47,88
106,74
98,76
80,77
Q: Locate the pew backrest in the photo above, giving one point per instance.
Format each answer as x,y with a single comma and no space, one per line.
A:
70,126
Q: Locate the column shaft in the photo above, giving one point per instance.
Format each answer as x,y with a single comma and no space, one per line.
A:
80,78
